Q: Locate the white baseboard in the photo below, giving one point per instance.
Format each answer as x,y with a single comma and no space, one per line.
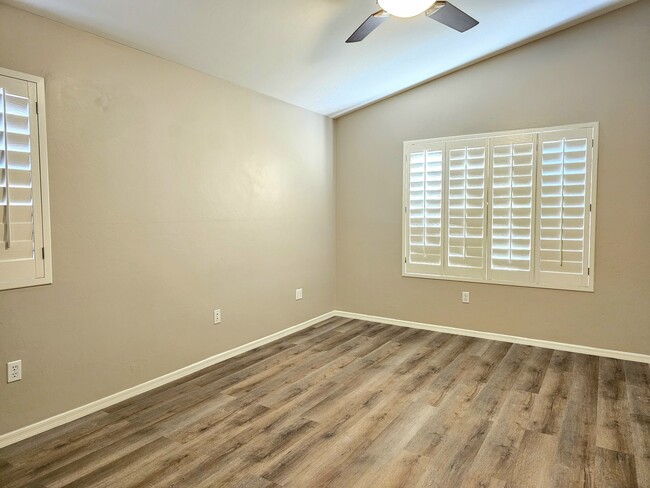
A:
65,417
593,351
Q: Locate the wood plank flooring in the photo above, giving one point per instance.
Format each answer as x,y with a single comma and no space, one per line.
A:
348,403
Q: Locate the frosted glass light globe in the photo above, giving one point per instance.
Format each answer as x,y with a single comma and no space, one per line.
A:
405,8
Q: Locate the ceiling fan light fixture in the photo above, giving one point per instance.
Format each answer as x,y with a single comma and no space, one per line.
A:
405,8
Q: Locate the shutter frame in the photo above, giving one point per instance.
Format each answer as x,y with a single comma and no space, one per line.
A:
412,265
470,265
515,216
586,285
34,268
547,273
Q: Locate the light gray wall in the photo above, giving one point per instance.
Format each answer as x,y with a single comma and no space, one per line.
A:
172,193
596,71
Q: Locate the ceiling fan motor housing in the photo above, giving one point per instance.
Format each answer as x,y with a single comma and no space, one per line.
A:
435,7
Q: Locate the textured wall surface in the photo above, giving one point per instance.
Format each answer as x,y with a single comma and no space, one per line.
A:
596,71
172,193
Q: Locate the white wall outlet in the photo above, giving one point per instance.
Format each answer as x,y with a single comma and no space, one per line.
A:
464,296
217,316
14,371
298,293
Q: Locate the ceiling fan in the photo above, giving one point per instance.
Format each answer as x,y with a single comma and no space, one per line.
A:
440,10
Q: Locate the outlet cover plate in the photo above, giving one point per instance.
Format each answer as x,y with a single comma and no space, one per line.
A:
14,371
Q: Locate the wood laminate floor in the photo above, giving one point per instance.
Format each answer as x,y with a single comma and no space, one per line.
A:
348,403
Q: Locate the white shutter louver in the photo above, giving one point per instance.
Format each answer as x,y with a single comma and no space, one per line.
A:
513,208
563,206
21,231
511,212
466,196
424,232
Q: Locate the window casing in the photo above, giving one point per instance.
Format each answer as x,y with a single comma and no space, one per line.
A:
25,255
515,208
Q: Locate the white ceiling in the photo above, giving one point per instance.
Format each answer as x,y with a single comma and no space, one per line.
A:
294,50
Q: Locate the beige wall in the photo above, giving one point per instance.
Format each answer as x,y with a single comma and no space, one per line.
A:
596,71
172,193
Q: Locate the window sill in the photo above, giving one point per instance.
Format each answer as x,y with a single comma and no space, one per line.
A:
588,288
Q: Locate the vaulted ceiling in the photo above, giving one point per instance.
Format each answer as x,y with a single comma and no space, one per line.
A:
294,50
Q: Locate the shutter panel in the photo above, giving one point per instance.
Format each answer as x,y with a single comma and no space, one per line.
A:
511,209
21,235
466,198
508,207
424,244
564,172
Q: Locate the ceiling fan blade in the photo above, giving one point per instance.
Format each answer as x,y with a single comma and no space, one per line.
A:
451,16
370,24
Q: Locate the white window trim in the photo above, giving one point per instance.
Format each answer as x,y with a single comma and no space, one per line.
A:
44,179
594,126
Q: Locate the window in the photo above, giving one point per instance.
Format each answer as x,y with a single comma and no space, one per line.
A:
25,258
514,208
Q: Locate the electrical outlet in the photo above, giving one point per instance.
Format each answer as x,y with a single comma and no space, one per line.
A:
298,293
217,316
14,371
464,296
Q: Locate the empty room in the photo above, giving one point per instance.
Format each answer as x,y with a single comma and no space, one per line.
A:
336,243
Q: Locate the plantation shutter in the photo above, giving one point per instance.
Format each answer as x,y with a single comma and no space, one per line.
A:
564,170
21,232
510,207
424,208
511,210
466,198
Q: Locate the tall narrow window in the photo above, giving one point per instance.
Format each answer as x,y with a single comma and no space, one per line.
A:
511,207
24,228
